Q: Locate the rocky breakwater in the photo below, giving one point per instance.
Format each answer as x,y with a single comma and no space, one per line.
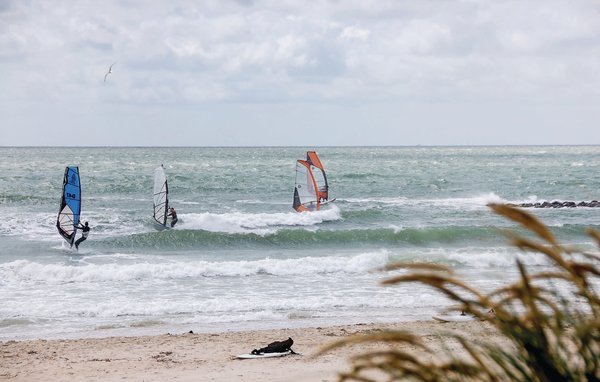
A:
557,204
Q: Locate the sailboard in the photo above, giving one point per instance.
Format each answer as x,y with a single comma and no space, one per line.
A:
262,355
311,188
161,197
70,205
453,318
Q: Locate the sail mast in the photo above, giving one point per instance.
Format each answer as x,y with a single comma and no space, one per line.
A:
161,196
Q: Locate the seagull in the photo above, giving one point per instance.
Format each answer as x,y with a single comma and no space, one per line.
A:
109,71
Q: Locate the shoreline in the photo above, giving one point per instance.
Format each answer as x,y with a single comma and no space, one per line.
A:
208,356
137,330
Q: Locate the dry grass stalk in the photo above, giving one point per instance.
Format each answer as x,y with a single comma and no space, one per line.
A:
554,337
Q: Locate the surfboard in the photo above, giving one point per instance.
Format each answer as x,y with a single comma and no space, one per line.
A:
311,189
161,198
70,205
263,355
453,318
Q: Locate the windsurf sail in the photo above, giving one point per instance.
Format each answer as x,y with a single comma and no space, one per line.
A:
70,205
319,174
311,186
161,196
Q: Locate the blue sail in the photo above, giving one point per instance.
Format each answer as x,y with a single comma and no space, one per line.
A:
70,205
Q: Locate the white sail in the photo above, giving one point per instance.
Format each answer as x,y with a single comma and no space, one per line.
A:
320,179
161,195
305,193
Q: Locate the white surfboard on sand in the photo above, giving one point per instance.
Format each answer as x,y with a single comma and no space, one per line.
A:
453,318
262,355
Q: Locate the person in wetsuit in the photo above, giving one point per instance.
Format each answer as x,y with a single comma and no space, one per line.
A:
173,215
85,231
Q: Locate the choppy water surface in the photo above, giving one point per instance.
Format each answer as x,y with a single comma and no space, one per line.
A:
241,258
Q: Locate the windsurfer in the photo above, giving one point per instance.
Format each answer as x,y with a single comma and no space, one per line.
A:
173,214
85,231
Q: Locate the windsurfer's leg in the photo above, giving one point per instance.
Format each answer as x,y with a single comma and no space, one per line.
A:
173,222
79,241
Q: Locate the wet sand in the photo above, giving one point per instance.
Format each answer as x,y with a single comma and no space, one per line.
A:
209,356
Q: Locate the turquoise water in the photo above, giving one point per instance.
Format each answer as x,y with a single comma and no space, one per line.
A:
241,257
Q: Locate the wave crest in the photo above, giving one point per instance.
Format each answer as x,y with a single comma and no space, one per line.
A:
24,271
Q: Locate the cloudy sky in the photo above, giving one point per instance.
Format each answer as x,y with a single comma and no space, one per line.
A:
281,72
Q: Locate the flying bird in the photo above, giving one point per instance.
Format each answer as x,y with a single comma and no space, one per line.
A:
109,71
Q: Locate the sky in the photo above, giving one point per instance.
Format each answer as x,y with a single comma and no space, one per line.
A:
299,73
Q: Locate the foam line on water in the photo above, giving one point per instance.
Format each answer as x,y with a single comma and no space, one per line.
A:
27,271
477,201
260,223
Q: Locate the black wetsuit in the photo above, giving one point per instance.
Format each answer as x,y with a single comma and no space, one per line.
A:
173,215
85,231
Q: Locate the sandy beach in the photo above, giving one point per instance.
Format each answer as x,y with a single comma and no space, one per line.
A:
209,356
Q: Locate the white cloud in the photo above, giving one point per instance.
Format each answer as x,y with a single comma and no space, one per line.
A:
351,33
252,52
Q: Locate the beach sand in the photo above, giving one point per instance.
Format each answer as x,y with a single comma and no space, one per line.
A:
209,356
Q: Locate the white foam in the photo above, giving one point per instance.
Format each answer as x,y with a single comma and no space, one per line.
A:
472,202
484,258
259,223
28,271
400,200
30,225
258,201
243,306
42,225
395,228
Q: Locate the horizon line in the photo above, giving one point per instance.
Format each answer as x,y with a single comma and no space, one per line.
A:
299,146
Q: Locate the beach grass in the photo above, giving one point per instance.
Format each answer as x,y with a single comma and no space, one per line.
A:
550,320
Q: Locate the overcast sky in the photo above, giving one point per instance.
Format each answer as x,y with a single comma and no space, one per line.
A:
308,73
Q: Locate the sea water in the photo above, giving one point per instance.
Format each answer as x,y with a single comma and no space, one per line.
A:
242,258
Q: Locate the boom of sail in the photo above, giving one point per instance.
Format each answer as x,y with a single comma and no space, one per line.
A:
161,196
70,205
311,188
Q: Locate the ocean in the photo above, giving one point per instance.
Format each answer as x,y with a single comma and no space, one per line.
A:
241,258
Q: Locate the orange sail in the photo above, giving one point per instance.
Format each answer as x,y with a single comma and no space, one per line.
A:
311,184
319,175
